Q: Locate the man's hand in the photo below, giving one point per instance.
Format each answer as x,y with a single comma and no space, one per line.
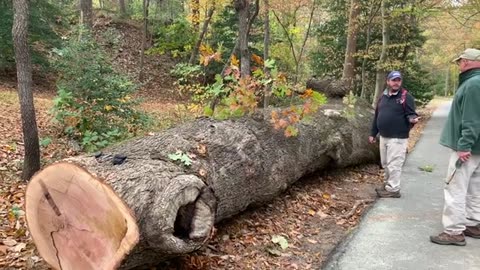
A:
414,120
464,156
372,139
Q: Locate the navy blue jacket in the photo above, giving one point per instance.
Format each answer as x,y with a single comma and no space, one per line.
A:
392,117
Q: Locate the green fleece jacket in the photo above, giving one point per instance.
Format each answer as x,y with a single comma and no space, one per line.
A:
462,129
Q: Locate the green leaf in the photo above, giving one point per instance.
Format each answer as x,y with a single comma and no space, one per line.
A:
186,160
280,240
208,111
270,63
291,131
319,98
426,168
258,73
45,142
182,157
175,156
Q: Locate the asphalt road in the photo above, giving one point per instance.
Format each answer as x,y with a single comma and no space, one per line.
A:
394,234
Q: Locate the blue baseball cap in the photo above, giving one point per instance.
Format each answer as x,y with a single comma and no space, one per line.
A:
394,75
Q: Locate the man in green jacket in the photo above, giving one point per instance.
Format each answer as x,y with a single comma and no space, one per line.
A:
461,133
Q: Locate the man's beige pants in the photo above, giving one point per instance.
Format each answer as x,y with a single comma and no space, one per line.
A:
392,156
462,195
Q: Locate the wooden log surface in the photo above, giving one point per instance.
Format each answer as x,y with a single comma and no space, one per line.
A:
331,88
235,164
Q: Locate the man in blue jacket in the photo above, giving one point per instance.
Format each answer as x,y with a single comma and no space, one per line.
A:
394,116
461,133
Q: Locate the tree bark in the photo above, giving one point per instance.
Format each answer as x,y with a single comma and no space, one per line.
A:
243,11
146,4
86,14
123,8
234,164
31,163
349,63
215,100
372,14
380,77
266,53
330,88
202,35
287,34
307,34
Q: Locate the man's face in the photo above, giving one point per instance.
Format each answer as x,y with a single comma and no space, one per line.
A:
394,84
463,64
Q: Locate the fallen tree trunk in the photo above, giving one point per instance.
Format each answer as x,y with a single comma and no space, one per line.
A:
235,164
330,87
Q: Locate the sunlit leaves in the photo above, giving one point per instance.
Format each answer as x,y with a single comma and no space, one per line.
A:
207,54
182,157
286,119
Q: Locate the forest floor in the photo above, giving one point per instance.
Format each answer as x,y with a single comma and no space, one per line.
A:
313,215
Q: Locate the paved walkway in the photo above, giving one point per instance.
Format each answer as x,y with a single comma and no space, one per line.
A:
395,232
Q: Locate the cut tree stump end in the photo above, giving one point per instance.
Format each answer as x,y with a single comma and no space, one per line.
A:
77,221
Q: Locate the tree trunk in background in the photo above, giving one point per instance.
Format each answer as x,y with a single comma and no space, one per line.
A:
307,34
237,41
408,46
31,163
349,64
236,47
363,93
266,52
196,14
236,164
202,35
380,78
123,8
86,13
146,4
243,12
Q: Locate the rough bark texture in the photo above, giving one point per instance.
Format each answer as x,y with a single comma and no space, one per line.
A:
330,87
380,77
146,4
243,11
123,8
266,52
302,49
236,164
349,64
31,163
86,13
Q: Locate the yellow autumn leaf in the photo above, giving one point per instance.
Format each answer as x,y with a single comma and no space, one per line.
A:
311,212
108,108
326,196
234,61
